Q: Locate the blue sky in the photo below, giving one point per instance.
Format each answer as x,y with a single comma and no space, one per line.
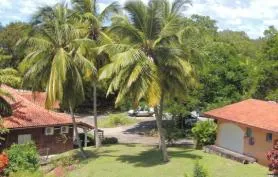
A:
251,16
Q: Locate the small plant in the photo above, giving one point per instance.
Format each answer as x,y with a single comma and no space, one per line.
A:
114,120
22,157
200,171
110,140
204,133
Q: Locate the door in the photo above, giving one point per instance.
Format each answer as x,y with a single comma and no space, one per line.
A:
22,139
231,137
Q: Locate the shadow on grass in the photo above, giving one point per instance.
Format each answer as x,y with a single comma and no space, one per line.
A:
142,128
153,157
92,155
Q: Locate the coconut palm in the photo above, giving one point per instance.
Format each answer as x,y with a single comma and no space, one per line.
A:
88,10
56,59
147,63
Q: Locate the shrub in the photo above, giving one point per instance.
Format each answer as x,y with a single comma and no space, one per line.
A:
4,161
272,156
114,120
22,157
199,171
204,133
173,135
110,140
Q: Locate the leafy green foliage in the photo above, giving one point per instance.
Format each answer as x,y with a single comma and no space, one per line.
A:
10,77
9,37
114,120
4,58
200,171
57,62
109,140
173,134
204,133
22,157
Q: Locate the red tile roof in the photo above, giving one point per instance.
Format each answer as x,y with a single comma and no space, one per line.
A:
27,114
251,112
38,98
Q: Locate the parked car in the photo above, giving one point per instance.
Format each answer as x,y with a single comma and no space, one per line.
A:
141,112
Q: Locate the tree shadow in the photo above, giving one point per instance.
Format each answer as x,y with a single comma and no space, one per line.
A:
153,157
91,155
142,128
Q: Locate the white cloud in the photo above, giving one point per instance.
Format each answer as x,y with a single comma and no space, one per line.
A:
249,16
252,16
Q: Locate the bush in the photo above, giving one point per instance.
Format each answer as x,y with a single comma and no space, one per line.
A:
173,135
4,161
272,156
204,133
22,157
199,171
114,120
110,140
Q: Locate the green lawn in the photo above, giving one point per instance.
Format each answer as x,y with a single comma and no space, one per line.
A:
143,161
115,120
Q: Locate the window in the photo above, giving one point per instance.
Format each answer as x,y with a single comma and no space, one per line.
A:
49,131
269,137
64,129
249,132
22,139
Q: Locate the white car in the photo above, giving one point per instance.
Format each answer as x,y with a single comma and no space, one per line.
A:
141,113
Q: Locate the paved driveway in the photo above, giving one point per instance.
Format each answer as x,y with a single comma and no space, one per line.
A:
129,134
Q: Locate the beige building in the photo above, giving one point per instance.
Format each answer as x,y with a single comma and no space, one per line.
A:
249,127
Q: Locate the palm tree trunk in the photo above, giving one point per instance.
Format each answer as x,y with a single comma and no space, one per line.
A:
76,132
161,131
97,139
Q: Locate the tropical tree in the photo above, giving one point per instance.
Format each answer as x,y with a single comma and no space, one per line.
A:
5,108
55,54
146,62
88,11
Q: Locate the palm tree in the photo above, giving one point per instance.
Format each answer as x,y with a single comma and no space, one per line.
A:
88,10
56,59
147,63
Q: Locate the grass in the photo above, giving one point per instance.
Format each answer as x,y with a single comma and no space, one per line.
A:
138,160
115,120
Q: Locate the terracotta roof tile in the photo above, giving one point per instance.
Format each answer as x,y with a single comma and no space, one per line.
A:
28,114
251,112
38,98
